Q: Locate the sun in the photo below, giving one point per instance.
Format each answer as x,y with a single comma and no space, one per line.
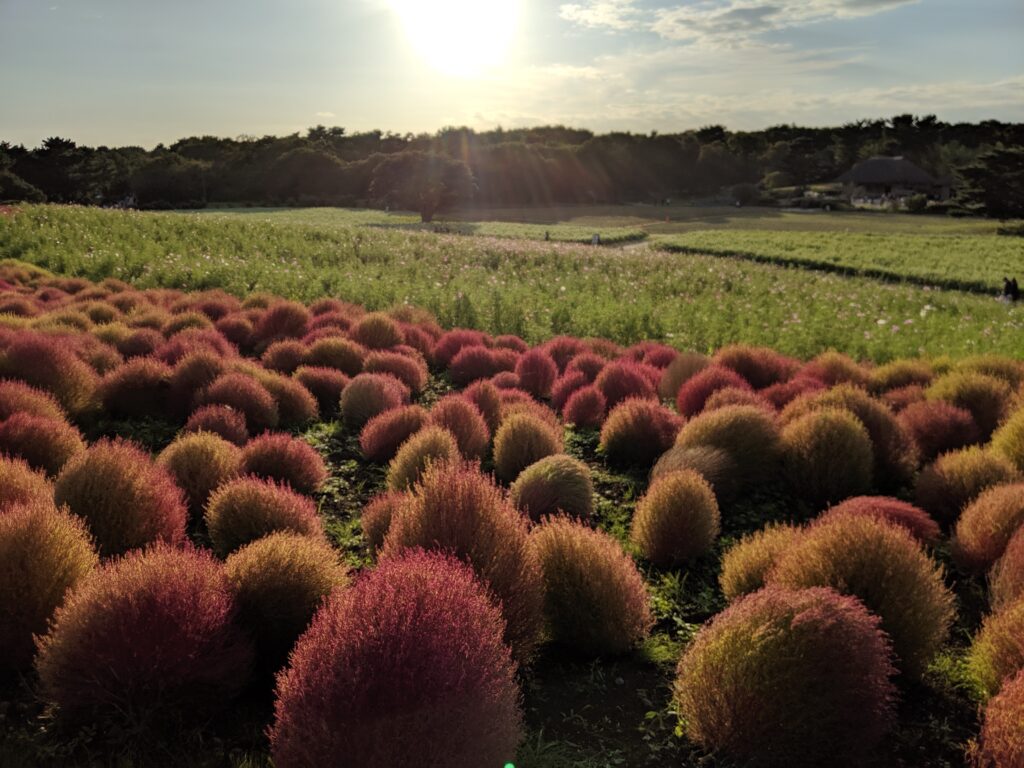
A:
460,37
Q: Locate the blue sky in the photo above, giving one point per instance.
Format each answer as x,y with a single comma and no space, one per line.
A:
138,72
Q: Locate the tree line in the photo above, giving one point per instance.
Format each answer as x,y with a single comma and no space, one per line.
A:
524,167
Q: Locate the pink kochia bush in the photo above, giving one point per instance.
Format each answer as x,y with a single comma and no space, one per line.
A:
752,686
126,500
694,393
623,379
220,420
464,420
285,459
369,394
916,521
405,669
245,395
537,371
46,444
145,642
585,407
384,434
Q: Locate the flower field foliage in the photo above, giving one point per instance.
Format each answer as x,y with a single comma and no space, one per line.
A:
453,545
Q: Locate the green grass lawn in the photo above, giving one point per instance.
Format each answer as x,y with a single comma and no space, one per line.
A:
518,286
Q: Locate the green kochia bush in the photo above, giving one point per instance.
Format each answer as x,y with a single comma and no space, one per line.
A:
955,479
521,440
595,601
558,483
747,563
431,445
883,565
405,669
748,434
146,642
827,456
986,526
789,677
676,520
997,653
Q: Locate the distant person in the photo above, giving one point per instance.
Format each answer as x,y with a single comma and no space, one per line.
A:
547,235
596,239
1011,290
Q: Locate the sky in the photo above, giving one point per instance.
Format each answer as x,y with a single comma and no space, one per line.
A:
138,72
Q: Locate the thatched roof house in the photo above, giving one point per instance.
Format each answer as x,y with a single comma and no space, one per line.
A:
892,177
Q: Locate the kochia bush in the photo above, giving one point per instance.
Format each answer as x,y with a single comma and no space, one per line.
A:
937,427
747,563
405,669
1000,744
222,420
521,440
45,443
555,484
827,456
1008,440
750,685
285,459
1006,579
748,434
21,484
637,432
200,462
986,525
623,379
955,479
145,642
676,520
431,445
916,521
585,407
696,390
464,420
997,653
369,394
986,397
595,601
537,371
246,395
383,435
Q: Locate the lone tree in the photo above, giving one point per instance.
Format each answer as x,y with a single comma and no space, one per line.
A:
423,182
994,184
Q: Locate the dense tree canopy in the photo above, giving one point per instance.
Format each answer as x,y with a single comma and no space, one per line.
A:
425,182
530,166
995,183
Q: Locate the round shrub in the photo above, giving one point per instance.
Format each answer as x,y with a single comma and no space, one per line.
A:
585,408
897,400
145,642
985,397
915,520
997,652
521,440
45,443
140,342
246,395
334,352
509,341
464,420
282,320
384,434
249,508
486,397
884,566
693,394
955,479
750,686
407,668
191,341
595,601
713,464
737,396
623,379
376,331
637,432
685,366
758,366
200,462
832,368
1000,744
899,374
747,563
280,581
587,363
284,356
555,484
454,341
748,434
659,355
325,384
191,374
285,459
296,406
126,500
827,456
457,510
237,329
377,515
537,371
184,321
20,484
50,364
19,397
428,446
562,349
676,520
412,373
470,364
782,394
937,427
43,553
564,386
369,394
986,525
137,389
221,420
1006,579
1008,440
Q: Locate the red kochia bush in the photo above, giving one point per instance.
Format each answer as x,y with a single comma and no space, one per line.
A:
20,484
50,364
564,386
1000,744
19,397
249,508
486,397
782,394
464,420
937,427
1006,579
369,394
452,342
986,525
46,444
43,553
405,669
637,432
325,384
595,600
136,389
537,372
587,363
692,395
246,395
472,363
283,320
759,366
562,349
126,500
286,459
585,407
376,331
220,420
917,522
751,687
623,379
145,642
284,356
410,371
384,434
455,509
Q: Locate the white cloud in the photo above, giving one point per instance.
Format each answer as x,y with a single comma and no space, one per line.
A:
617,15
325,114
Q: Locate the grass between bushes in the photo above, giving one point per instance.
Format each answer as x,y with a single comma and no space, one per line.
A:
532,289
